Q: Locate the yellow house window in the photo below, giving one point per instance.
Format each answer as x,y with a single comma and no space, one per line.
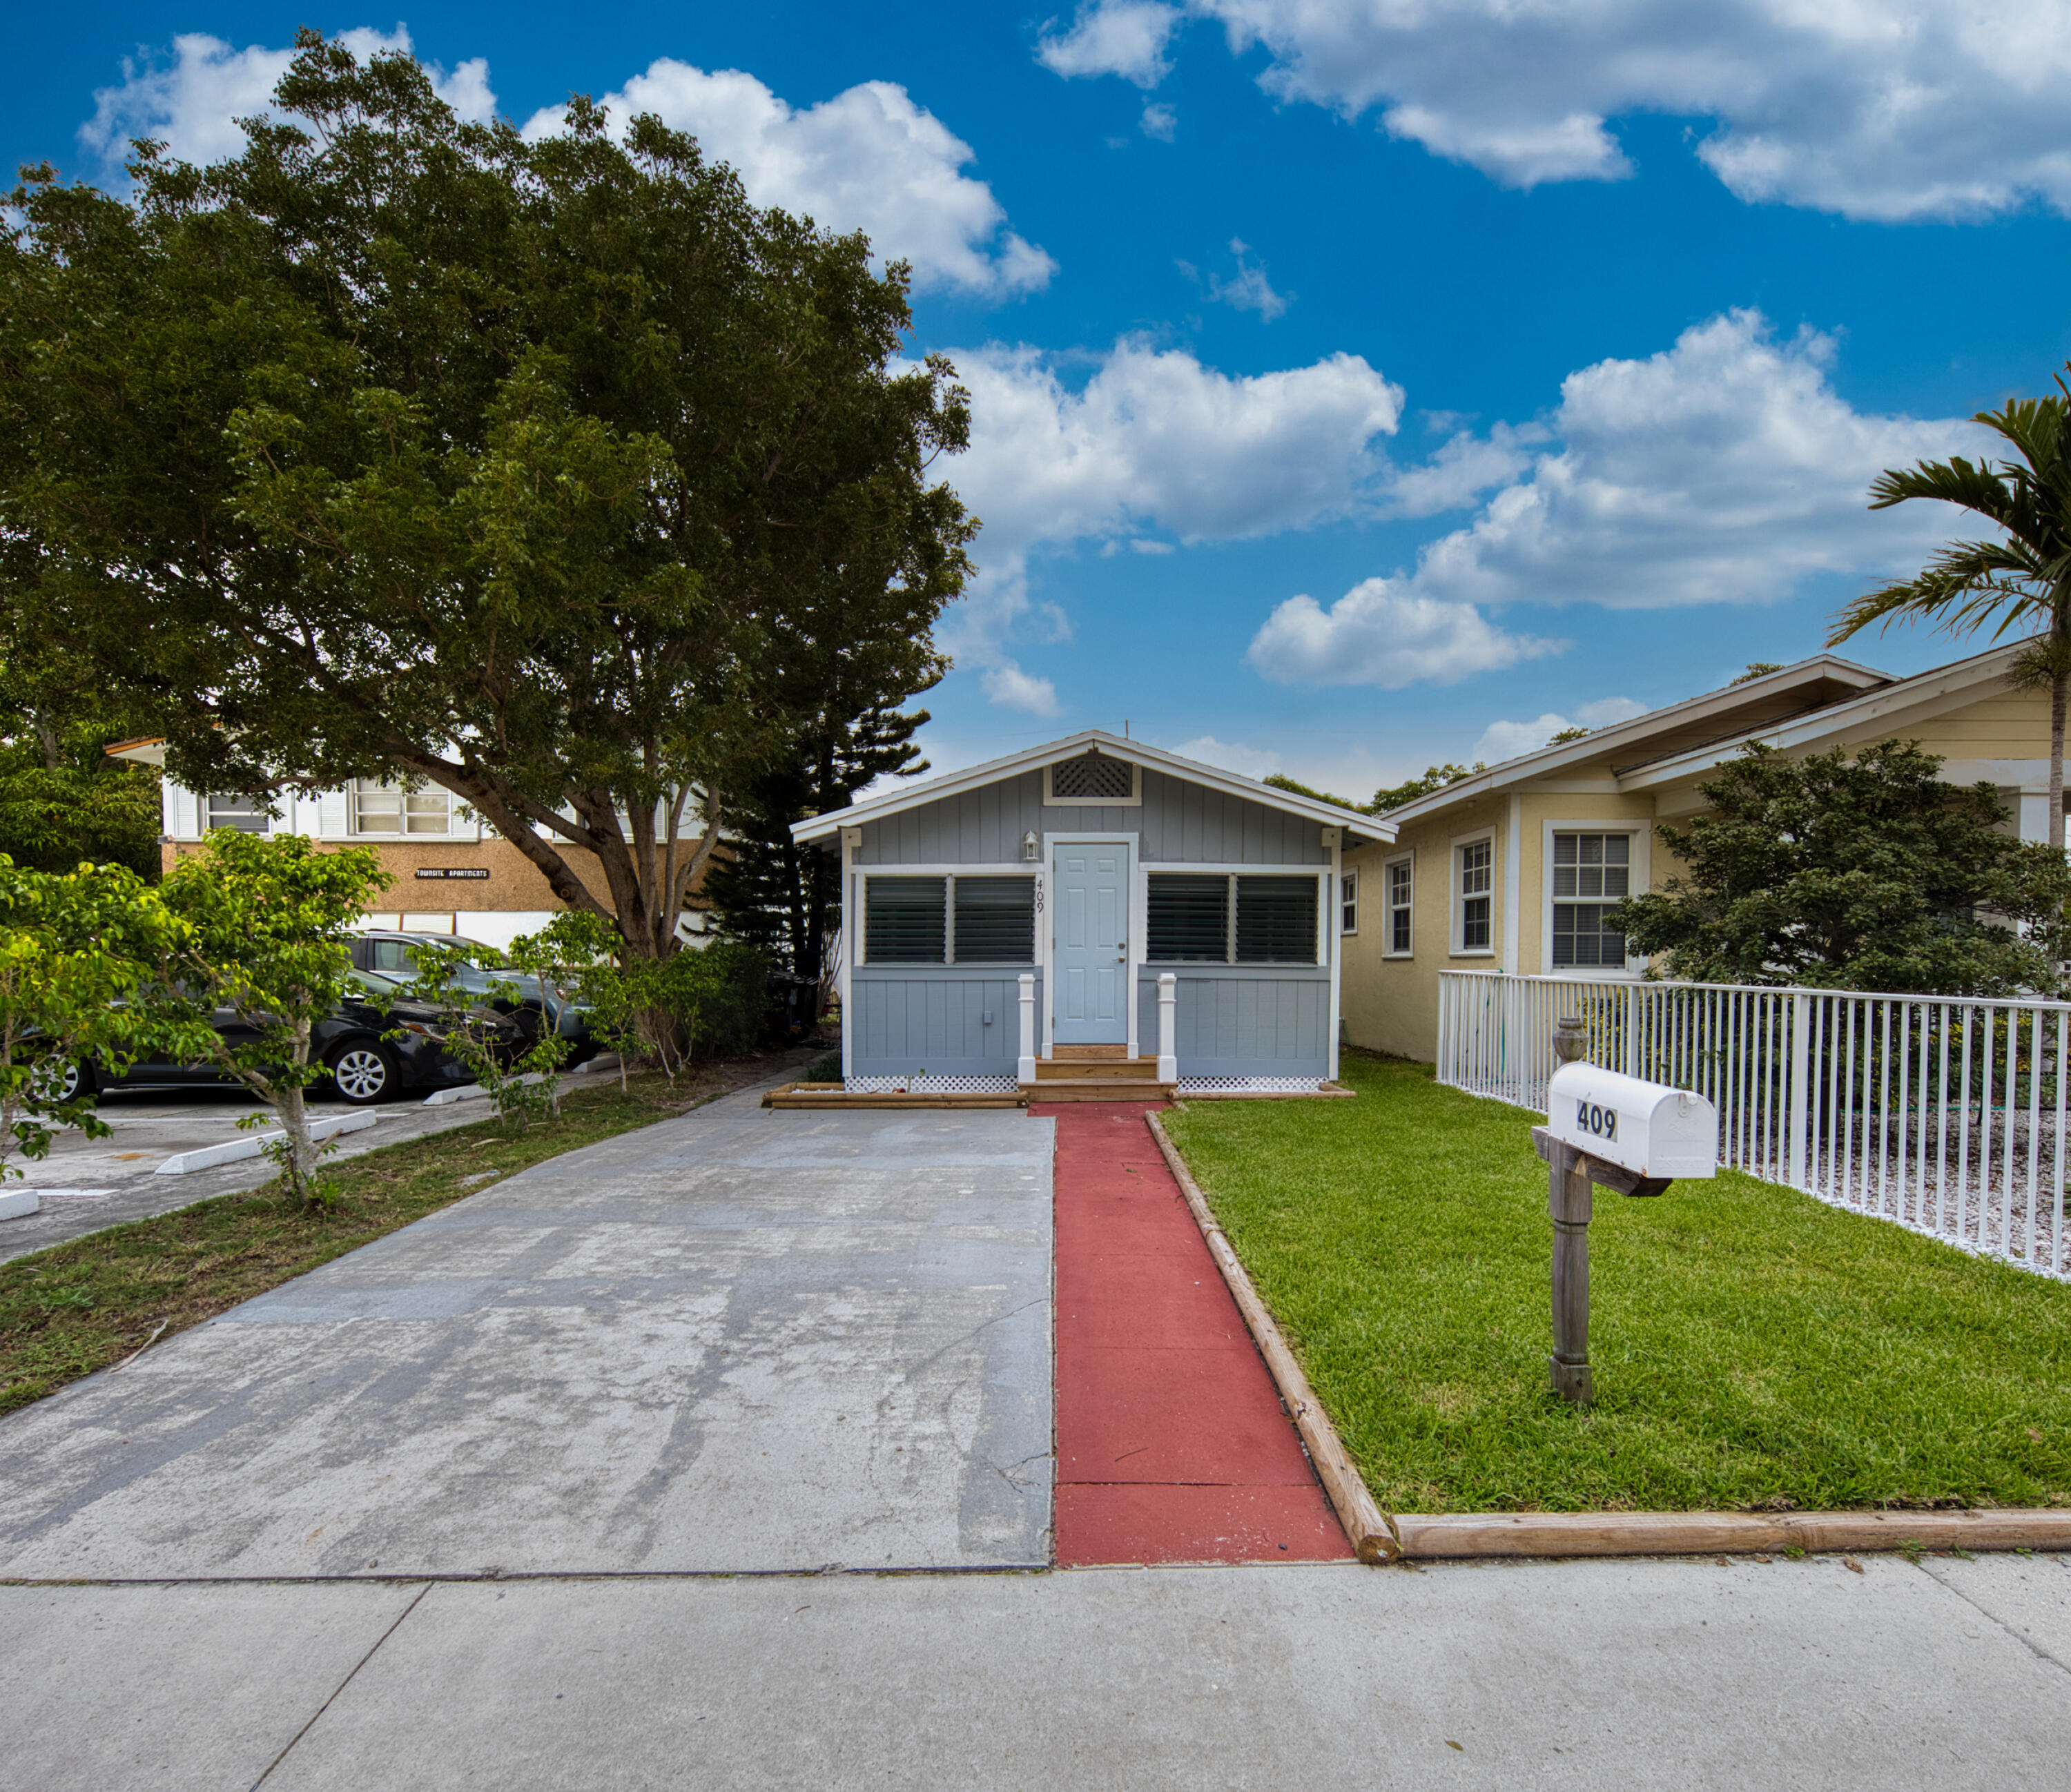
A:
1592,873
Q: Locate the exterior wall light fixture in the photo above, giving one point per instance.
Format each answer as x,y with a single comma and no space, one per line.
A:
1031,846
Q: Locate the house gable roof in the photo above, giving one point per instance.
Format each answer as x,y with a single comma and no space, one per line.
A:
915,796
1804,703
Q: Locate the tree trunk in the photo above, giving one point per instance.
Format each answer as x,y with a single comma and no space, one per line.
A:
2059,687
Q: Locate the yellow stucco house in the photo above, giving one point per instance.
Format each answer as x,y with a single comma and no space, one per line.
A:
1512,868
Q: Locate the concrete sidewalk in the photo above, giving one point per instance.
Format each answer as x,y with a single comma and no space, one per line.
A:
1629,1675
742,1340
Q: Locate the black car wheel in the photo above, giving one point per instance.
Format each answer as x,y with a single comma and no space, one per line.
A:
363,1072
66,1081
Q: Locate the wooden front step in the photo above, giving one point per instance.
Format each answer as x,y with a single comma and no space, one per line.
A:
1124,1070
1096,1089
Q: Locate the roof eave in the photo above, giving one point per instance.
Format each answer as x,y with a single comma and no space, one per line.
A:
892,802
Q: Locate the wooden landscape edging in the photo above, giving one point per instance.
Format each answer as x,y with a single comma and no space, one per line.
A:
1371,1536
1379,1539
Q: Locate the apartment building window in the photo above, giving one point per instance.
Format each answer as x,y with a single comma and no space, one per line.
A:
1348,903
378,808
1400,874
240,814
1474,892
1592,873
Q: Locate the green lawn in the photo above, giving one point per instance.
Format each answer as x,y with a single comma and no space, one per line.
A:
75,1308
1751,1346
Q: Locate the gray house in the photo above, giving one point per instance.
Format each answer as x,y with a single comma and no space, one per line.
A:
1091,909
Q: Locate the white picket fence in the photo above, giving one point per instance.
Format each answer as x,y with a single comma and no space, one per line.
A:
1945,1114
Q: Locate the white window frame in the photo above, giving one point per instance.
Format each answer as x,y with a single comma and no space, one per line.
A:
1458,919
1642,835
1348,898
402,830
210,799
1133,800
1388,909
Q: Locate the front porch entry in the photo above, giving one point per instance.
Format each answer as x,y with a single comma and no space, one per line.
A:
1089,970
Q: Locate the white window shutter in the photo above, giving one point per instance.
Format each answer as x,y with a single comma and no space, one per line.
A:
332,822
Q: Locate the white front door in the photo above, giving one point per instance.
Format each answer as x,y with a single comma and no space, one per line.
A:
1089,944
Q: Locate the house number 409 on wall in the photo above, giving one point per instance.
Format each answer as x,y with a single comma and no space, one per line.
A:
1602,1122
1039,895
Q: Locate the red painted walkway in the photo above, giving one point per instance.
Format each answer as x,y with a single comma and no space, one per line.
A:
1172,1445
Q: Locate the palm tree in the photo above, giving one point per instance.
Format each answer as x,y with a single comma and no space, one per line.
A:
2025,580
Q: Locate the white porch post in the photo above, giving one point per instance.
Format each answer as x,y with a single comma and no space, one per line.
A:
1168,1003
1025,1068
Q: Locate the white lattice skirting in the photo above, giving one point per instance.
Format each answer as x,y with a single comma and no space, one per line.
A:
1249,1085
930,1085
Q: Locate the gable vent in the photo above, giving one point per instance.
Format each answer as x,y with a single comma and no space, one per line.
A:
1091,777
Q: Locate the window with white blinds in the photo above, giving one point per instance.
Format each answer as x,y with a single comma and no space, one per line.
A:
1592,874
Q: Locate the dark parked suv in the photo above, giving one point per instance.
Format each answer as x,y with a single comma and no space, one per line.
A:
393,953
372,1048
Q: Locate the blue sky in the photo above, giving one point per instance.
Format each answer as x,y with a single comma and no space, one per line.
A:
1358,384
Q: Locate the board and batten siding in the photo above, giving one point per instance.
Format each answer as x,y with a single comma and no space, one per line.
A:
1244,1020
912,1018
1236,1020
1179,823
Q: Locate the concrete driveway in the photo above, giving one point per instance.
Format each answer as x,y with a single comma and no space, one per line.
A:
741,1340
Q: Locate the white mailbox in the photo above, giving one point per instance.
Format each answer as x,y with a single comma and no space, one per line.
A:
1650,1129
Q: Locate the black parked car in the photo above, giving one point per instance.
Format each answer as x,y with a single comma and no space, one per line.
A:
393,953
371,1052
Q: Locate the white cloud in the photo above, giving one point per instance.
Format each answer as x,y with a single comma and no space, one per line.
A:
868,159
1352,772
1159,121
1152,441
1249,290
1378,633
1126,38
1897,108
1502,740
1011,688
192,104
1723,469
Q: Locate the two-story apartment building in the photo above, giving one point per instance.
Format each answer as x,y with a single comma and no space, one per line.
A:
1514,867
452,874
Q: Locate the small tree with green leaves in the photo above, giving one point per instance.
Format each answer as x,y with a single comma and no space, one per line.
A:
523,1084
263,925
77,954
1435,778
1867,873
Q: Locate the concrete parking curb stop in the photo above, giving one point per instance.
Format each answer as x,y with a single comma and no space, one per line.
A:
1381,1539
231,1151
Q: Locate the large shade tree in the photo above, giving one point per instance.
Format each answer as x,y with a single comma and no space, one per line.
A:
2020,581
398,444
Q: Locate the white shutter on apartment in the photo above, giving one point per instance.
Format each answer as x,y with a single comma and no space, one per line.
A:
333,822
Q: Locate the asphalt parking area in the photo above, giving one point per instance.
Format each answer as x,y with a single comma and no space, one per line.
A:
742,1340
87,1184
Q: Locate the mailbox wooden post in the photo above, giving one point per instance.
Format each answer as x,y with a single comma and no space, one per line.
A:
1570,1202
1627,1134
